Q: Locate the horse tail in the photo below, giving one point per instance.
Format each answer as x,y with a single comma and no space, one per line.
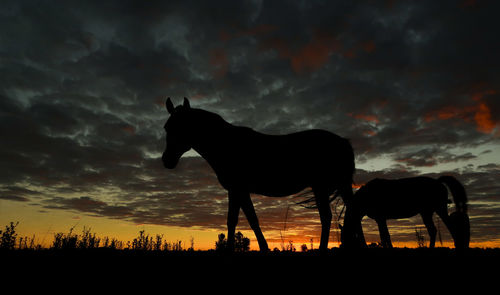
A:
346,180
457,191
345,190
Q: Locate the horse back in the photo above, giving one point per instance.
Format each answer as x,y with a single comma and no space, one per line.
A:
284,164
401,198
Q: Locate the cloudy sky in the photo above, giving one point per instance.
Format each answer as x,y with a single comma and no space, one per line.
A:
414,85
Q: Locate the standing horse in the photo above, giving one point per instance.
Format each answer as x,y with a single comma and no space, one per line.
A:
383,199
246,161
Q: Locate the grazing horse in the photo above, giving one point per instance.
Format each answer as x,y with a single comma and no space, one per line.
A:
246,162
382,199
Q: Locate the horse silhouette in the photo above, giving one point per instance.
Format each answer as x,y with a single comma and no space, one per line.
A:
246,162
382,199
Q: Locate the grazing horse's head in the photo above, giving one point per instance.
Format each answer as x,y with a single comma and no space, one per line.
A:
351,233
177,139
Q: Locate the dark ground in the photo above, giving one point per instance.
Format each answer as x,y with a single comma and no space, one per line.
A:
413,269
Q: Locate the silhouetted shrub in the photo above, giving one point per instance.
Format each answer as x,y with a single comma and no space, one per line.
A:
241,243
8,237
64,241
420,238
88,240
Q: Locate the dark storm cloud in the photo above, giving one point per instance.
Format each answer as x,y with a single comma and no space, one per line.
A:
83,89
431,157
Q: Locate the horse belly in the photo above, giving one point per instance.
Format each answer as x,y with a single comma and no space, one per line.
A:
391,206
391,212
276,184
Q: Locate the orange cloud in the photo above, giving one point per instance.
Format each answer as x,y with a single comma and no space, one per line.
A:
258,30
357,185
468,3
449,112
218,59
369,133
129,129
312,56
309,57
479,113
368,46
365,117
483,119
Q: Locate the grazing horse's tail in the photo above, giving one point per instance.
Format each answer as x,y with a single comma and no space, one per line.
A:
457,191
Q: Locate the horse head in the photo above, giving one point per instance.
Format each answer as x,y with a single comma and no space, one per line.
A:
351,233
177,129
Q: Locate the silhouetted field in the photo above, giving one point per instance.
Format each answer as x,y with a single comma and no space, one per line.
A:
87,261
371,264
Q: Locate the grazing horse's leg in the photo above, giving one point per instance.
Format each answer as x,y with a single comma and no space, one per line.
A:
385,238
248,209
431,228
232,218
325,215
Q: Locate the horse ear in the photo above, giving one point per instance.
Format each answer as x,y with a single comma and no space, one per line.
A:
169,105
186,103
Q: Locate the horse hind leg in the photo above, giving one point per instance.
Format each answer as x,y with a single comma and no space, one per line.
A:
248,209
431,228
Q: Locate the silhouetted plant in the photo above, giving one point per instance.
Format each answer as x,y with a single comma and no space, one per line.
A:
303,248
290,247
158,243
241,243
28,243
112,243
420,238
177,246
142,242
191,248
88,240
221,243
64,241
8,237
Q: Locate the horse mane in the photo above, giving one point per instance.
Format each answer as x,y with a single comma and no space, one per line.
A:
206,116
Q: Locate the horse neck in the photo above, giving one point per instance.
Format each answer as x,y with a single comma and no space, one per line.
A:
212,135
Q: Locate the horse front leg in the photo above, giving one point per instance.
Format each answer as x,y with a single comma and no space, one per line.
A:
248,209
232,219
385,237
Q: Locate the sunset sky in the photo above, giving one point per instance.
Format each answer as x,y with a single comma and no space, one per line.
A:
415,86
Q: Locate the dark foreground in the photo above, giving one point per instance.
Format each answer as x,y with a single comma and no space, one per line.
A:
188,269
